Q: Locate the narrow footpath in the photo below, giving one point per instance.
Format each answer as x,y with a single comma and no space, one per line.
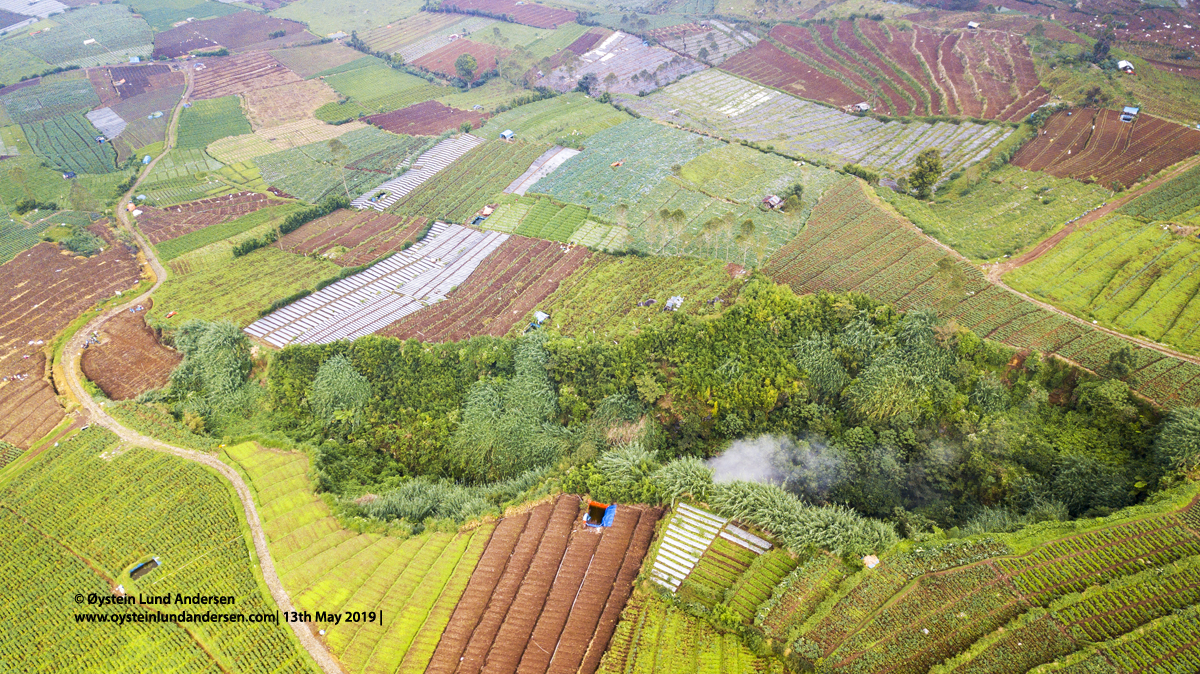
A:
72,351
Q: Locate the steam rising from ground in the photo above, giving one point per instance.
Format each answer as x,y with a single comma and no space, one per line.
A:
753,460
808,466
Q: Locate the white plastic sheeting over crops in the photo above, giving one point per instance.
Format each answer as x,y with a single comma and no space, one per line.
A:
733,107
107,121
373,299
541,167
425,167
689,534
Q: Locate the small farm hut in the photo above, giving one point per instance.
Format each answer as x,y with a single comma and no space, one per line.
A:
541,317
600,514
68,175
773,201
1129,113
1125,66
862,107
674,303
507,134
973,25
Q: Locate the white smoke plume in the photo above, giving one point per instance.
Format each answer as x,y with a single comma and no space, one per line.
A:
751,460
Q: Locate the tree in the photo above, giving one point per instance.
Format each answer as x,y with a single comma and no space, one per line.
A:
339,393
703,54
465,66
465,127
610,80
1178,444
586,83
926,171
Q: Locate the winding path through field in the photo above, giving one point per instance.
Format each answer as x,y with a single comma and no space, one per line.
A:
72,351
995,273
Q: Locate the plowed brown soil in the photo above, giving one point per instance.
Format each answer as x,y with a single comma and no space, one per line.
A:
547,593
129,360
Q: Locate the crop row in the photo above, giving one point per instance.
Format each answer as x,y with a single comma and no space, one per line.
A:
471,182
143,503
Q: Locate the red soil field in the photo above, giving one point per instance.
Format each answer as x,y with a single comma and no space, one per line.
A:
441,60
239,74
499,293
367,235
46,290
1096,146
986,73
168,223
528,13
234,32
547,592
426,119
129,359
767,64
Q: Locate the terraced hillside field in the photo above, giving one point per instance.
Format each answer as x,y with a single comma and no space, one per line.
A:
1096,146
1004,604
499,295
682,193
903,69
47,290
715,102
1135,276
351,238
143,505
851,243
415,582
547,592
160,225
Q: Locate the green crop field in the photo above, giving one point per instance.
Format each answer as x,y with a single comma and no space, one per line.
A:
89,36
69,142
16,236
328,16
683,194
565,120
851,243
49,100
1004,214
602,295
540,42
210,120
655,637
416,582
1134,276
471,182
17,63
378,88
28,176
312,172
162,14
137,505
217,286
183,175
491,95
173,248
996,604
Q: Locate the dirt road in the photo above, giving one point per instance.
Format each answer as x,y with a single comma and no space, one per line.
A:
72,351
